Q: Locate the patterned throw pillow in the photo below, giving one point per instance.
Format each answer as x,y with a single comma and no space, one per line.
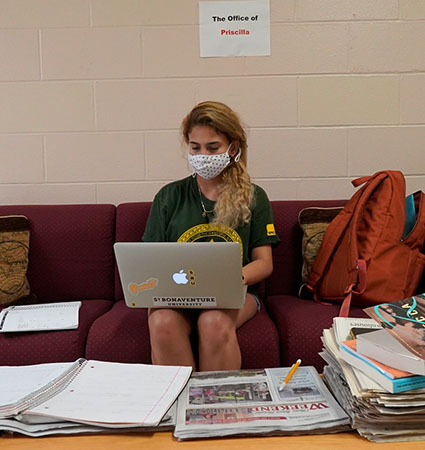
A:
313,221
14,246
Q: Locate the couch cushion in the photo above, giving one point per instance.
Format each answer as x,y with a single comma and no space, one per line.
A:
313,222
122,335
14,247
130,224
300,324
259,342
287,256
70,255
51,346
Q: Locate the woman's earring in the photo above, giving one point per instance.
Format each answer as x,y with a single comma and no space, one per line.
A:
238,156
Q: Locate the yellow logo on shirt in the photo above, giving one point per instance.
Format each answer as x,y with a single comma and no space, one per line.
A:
209,232
270,230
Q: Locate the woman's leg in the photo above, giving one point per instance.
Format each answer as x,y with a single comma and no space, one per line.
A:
169,331
218,343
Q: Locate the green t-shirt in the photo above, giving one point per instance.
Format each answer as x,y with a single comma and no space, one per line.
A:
176,216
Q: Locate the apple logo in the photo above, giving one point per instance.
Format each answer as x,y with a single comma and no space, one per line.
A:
180,277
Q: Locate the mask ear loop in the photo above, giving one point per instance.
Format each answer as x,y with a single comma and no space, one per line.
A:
194,171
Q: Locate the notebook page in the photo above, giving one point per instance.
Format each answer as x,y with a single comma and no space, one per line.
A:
118,394
19,382
48,316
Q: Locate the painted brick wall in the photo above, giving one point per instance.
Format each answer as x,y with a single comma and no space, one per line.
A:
92,94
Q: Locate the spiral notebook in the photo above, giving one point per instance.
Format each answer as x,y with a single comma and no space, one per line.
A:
41,317
101,393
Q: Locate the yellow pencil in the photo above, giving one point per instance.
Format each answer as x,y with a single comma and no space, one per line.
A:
289,376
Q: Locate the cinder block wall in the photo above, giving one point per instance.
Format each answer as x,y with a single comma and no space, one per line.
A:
92,93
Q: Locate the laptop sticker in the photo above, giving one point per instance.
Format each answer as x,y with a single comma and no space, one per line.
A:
135,288
192,277
184,302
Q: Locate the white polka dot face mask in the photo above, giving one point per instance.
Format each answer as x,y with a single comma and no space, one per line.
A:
210,166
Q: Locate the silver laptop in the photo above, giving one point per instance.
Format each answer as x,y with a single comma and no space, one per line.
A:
181,275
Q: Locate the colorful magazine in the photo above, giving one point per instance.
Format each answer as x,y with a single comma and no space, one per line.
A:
405,320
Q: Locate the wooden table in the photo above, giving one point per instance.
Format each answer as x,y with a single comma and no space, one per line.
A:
165,441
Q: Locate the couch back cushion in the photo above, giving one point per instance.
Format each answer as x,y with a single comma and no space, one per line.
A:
287,256
71,250
130,224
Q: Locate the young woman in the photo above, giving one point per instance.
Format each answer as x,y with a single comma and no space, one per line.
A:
217,202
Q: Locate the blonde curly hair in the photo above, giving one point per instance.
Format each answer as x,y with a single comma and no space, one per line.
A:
236,191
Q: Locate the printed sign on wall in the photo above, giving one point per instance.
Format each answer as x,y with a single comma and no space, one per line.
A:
234,28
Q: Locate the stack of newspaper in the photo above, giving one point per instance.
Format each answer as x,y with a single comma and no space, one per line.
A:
248,402
377,414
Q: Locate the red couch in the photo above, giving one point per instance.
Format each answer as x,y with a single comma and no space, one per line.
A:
71,258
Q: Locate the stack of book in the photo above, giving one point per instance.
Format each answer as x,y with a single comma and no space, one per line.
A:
379,377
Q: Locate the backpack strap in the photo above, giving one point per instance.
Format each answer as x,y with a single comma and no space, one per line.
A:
361,287
330,240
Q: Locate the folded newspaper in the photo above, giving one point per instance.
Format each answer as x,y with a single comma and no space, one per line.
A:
248,402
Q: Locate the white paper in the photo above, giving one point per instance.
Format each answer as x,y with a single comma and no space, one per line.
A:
234,28
46,316
18,382
343,325
117,394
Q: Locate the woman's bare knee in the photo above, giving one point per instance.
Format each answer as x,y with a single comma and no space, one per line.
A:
169,333
167,324
215,327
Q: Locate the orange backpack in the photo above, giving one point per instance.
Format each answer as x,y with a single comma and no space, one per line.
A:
364,256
